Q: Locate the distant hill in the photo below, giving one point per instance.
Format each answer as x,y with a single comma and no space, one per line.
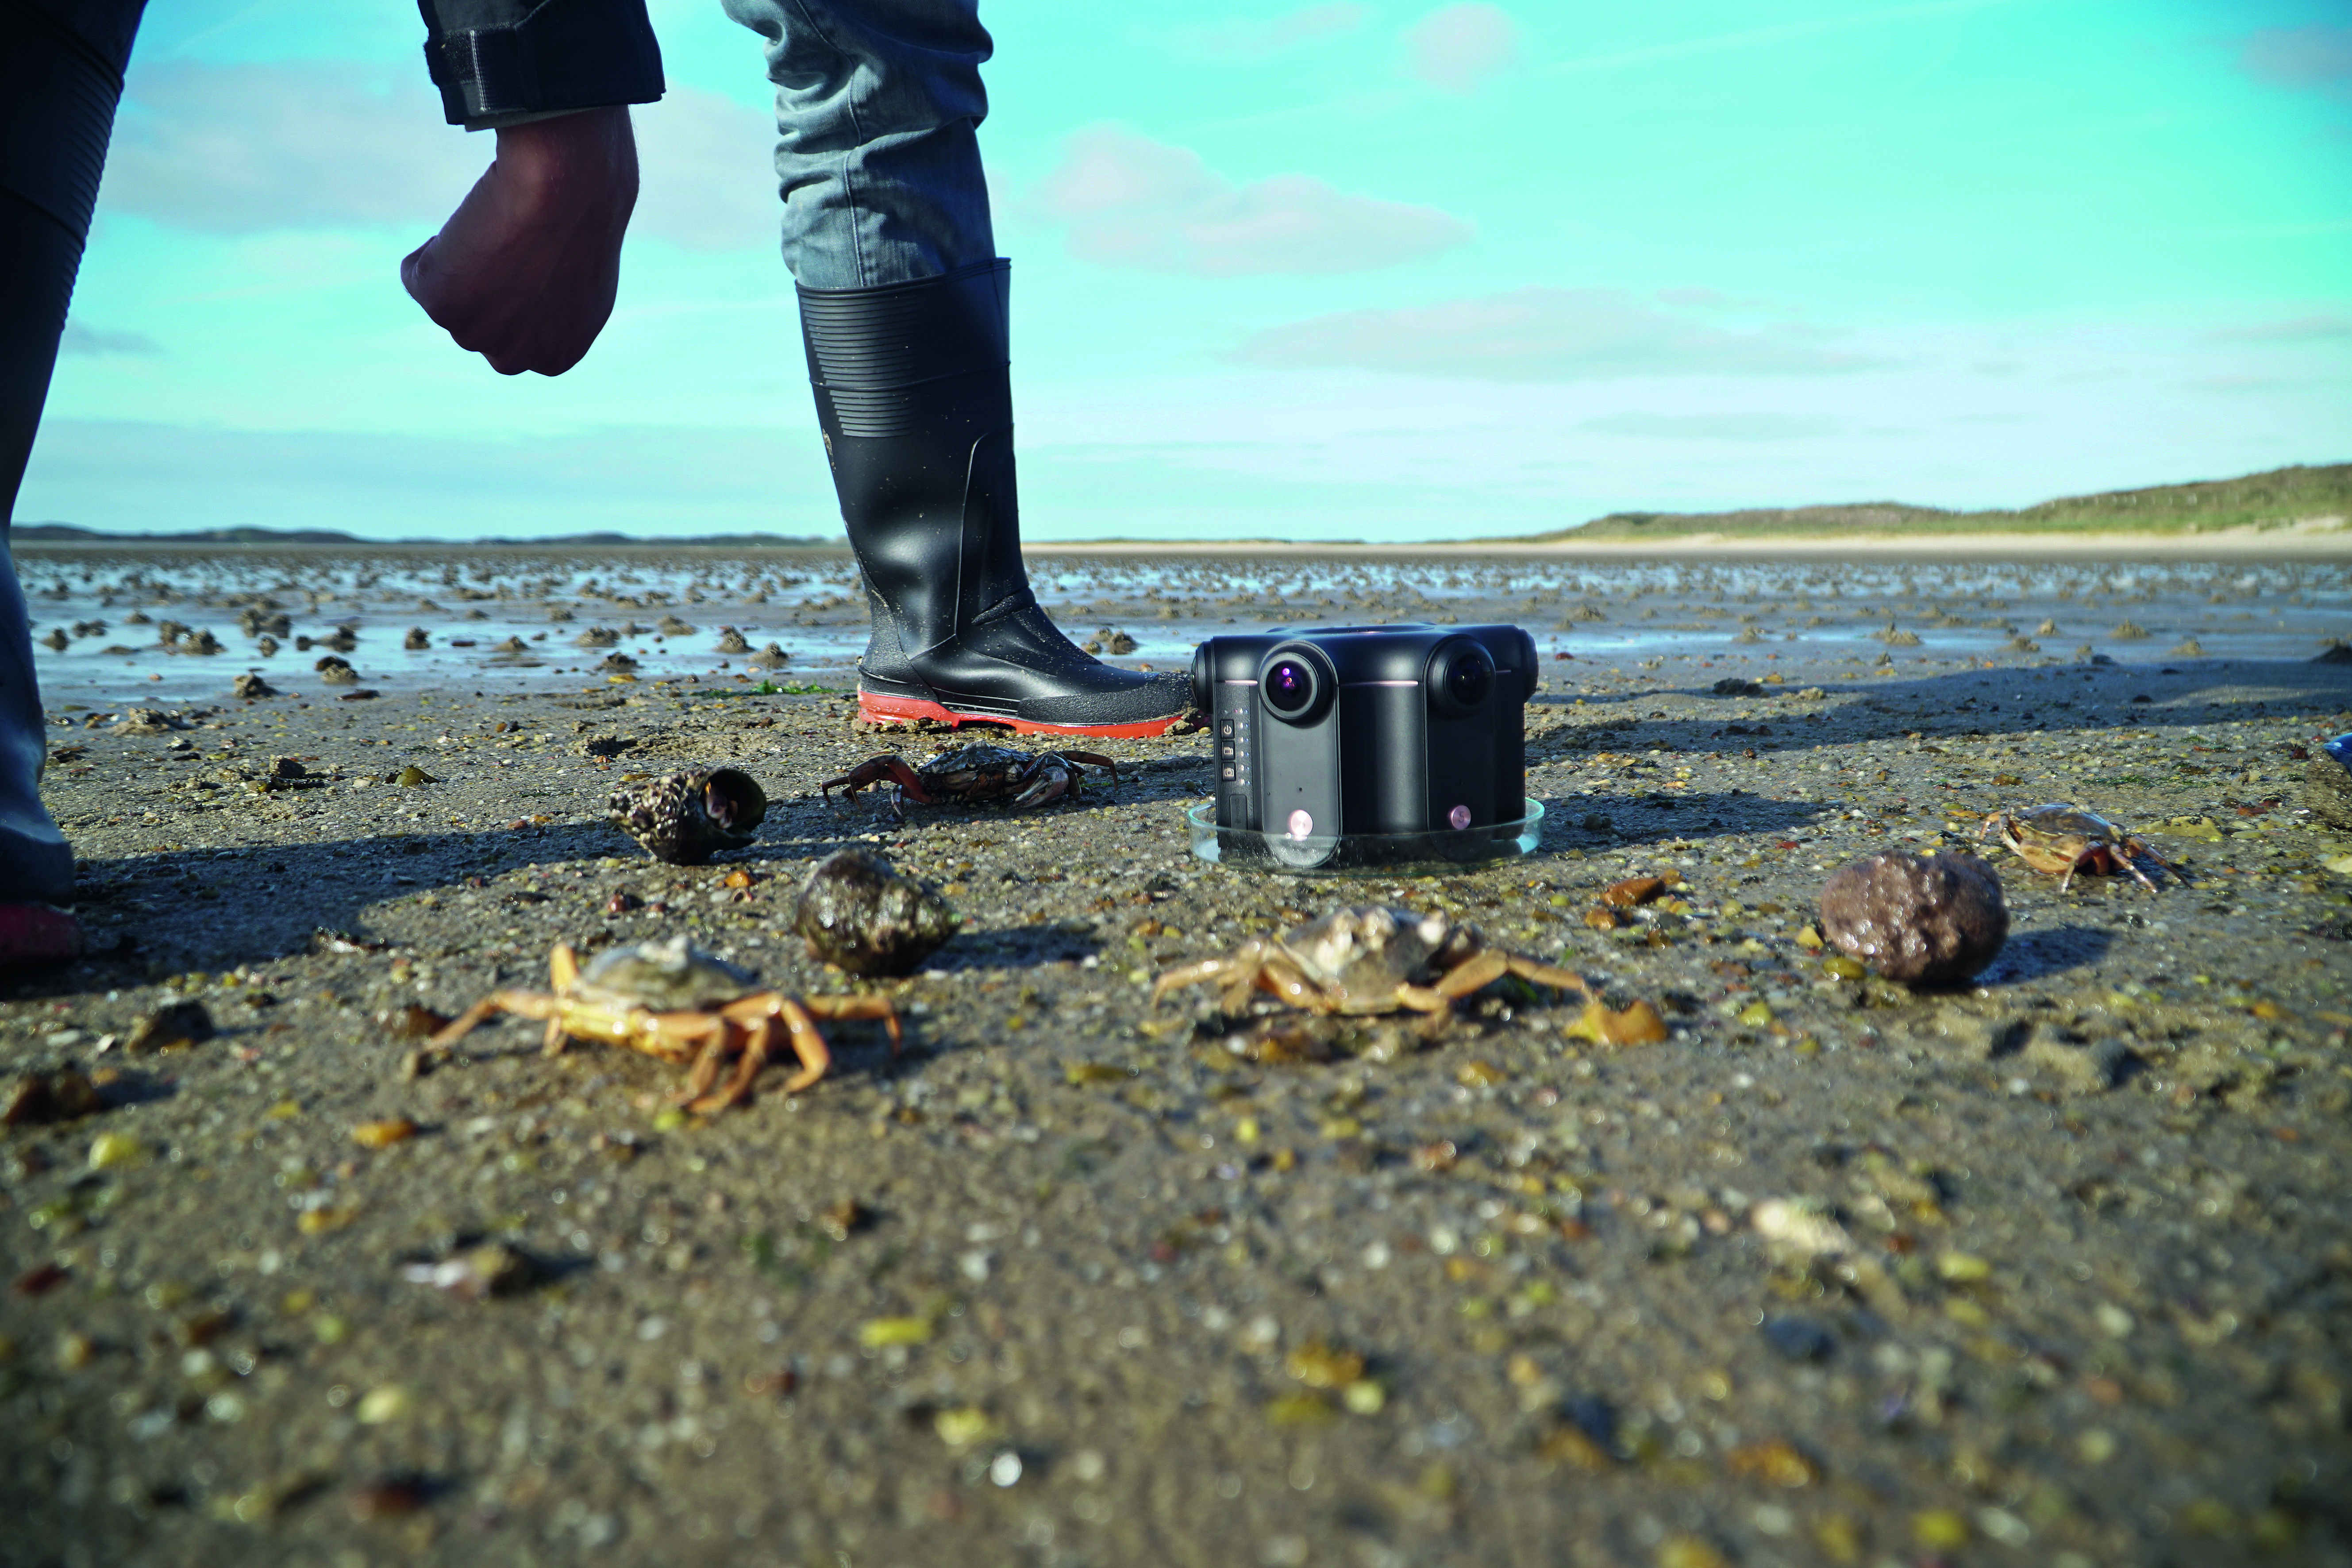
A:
2279,497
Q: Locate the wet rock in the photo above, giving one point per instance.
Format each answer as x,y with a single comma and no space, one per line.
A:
171,1029
57,640
336,672
771,658
148,721
731,641
2128,631
671,626
2327,783
266,645
60,1094
1117,642
344,639
512,645
617,664
596,636
204,642
1921,919
288,768
250,686
687,817
415,639
859,913
1733,686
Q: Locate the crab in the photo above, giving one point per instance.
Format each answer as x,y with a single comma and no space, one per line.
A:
1367,959
976,774
2063,839
680,1003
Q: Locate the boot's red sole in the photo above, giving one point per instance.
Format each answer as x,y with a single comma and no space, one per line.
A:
876,707
36,933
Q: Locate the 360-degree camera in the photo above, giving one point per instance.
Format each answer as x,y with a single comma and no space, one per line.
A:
1347,731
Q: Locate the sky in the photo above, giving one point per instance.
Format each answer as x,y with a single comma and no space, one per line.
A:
1344,270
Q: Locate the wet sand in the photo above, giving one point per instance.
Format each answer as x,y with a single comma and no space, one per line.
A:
2051,1268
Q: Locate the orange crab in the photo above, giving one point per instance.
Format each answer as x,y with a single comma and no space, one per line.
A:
1365,960
2060,840
680,1003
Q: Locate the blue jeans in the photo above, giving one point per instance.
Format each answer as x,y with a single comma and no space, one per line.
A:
877,102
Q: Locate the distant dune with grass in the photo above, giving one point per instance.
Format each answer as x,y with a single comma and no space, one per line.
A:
2313,496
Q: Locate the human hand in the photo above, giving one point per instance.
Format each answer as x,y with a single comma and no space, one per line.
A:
525,271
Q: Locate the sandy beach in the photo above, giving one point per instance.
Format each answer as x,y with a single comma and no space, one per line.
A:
2049,1267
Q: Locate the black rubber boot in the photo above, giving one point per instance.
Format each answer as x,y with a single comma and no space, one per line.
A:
36,863
914,394
60,74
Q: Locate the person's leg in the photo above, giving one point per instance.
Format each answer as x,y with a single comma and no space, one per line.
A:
60,75
903,313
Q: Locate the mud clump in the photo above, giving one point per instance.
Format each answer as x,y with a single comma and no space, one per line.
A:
1922,919
860,913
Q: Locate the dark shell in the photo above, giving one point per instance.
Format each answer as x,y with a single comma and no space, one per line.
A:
684,818
858,912
2328,780
1922,919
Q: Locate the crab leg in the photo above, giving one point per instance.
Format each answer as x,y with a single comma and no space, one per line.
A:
892,767
1051,783
1193,973
800,1032
706,1063
1545,975
1093,759
521,1003
832,1008
1473,974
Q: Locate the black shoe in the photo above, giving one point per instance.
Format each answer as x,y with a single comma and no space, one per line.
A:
914,394
36,863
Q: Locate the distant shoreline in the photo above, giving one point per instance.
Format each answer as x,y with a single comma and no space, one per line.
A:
2296,544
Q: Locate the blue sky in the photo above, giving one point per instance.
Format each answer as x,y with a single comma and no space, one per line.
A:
1339,270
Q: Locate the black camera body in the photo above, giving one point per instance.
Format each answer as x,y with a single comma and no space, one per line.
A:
1329,731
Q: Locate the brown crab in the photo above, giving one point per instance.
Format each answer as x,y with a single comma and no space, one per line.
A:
2063,839
680,1003
975,774
1369,958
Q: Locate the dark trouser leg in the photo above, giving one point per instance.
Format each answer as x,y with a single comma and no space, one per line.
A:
60,75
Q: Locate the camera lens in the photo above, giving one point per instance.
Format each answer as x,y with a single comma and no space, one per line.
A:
1469,677
1289,686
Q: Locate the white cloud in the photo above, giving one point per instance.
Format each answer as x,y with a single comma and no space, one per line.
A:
1543,334
1253,42
2317,56
2291,333
333,144
1762,425
80,339
1133,202
1459,47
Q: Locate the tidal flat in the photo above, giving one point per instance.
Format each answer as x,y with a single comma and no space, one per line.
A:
2054,1267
